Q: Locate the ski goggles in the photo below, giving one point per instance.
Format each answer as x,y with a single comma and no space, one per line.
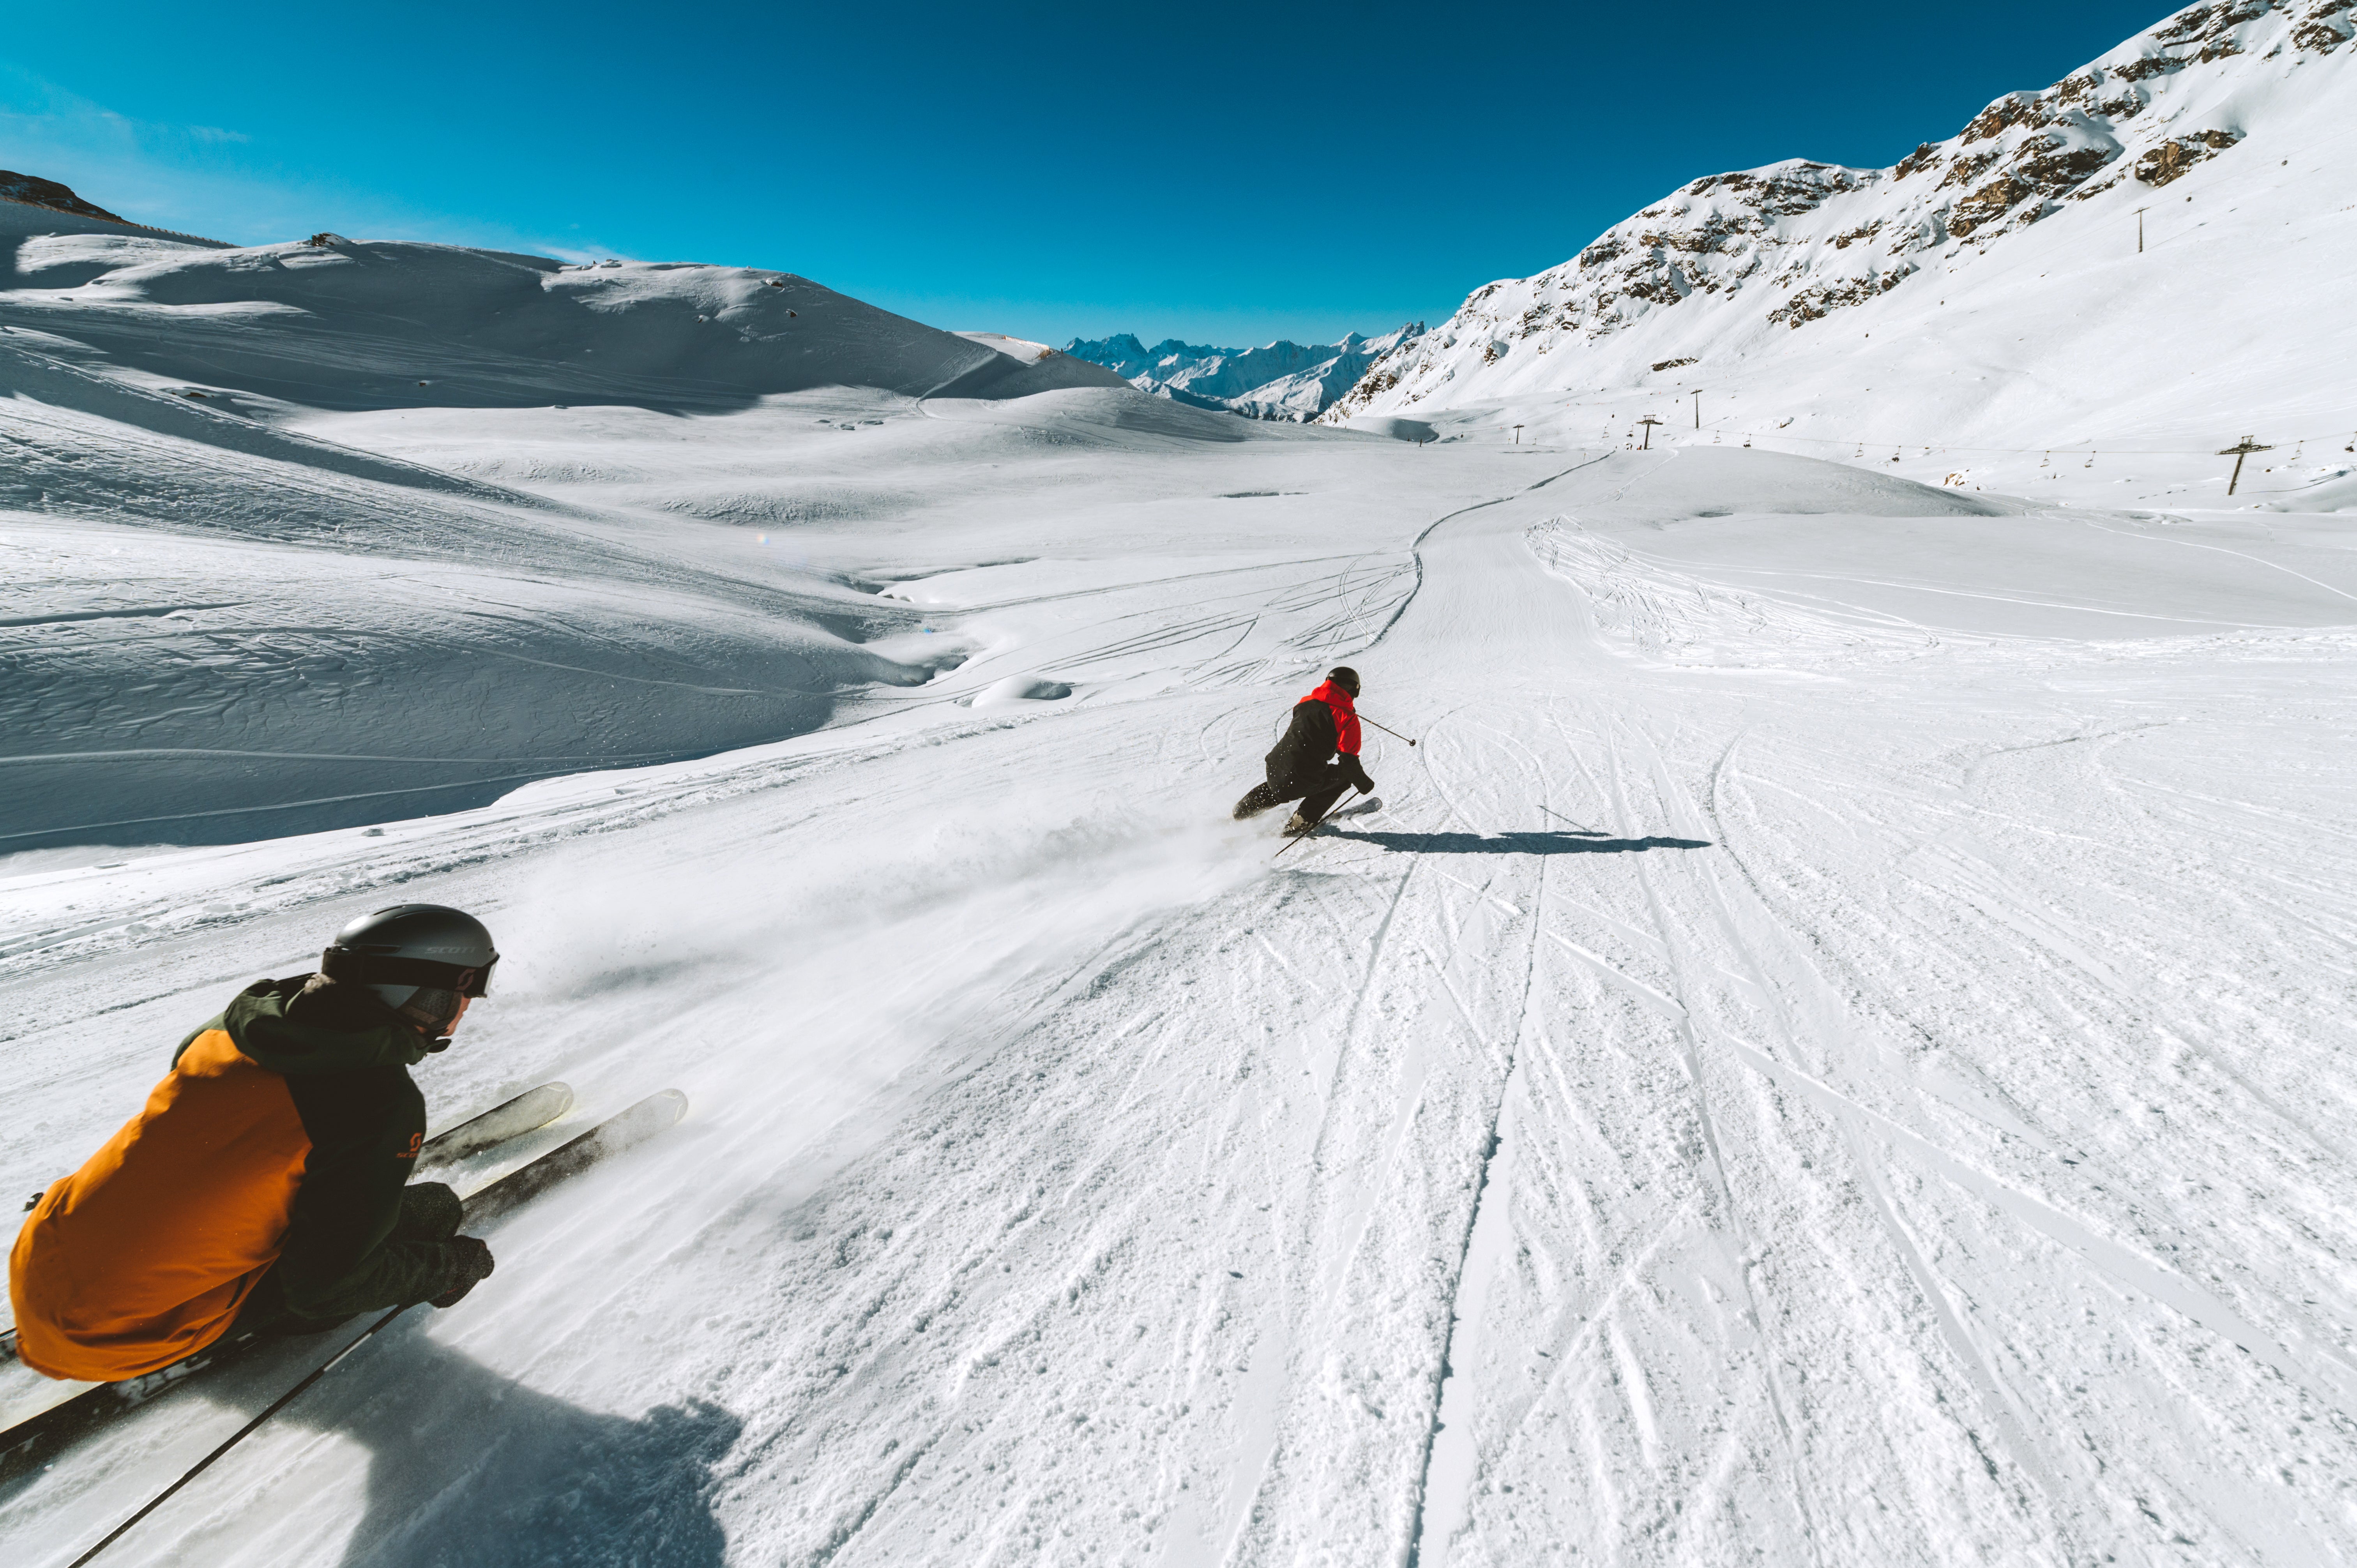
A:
385,968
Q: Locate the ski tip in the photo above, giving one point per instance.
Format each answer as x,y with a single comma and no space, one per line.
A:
665,1105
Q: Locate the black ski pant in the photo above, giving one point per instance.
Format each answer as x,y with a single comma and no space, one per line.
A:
1317,790
430,1213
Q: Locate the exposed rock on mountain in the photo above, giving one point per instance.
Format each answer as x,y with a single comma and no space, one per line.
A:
1283,380
1728,261
35,191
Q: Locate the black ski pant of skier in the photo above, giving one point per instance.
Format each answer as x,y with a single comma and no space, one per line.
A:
1317,790
430,1213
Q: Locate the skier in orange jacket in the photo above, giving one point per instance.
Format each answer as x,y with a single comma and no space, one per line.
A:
265,1185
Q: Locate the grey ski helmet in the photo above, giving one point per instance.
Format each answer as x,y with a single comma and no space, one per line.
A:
417,959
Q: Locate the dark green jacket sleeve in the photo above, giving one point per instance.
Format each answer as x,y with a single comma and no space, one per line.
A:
341,1254
346,1063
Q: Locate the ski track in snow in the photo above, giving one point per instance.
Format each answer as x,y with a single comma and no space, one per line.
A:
1833,1051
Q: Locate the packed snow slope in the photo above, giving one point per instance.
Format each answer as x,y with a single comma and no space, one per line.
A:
1985,302
219,627
1834,1051
1282,380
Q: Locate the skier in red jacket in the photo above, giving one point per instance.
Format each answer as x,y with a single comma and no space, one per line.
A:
1305,765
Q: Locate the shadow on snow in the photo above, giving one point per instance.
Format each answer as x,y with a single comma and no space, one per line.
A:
1544,843
468,1468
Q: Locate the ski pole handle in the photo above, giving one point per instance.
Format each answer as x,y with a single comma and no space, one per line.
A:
1388,730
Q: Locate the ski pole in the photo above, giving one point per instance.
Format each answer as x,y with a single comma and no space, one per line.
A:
198,1469
1388,730
1354,794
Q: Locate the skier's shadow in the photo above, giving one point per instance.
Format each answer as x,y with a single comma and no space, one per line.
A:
1551,841
471,1469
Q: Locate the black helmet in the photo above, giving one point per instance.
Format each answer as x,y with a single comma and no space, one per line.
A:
418,959
1343,676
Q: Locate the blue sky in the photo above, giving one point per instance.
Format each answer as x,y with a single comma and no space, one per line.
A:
1219,172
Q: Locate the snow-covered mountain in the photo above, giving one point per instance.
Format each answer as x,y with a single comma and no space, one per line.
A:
162,422
334,322
1987,287
1283,380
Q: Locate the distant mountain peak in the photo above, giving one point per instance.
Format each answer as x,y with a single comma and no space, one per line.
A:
1281,380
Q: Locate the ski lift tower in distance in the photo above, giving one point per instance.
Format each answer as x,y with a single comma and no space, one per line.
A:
1649,422
2239,451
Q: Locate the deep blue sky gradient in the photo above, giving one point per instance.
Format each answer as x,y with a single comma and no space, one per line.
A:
1217,172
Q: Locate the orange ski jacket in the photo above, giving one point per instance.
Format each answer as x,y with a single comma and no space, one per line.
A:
272,1142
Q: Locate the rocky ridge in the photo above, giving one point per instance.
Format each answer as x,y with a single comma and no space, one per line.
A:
32,190
1775,248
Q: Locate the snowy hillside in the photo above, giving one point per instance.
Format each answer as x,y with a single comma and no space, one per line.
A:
368,324
161,386
1832,1053
1983,299
1282,380
1834,1049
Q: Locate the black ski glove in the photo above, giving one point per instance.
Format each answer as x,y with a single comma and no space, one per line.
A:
430,1211
468,1263
1360,778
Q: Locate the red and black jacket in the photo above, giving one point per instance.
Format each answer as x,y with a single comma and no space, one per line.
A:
1324,723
